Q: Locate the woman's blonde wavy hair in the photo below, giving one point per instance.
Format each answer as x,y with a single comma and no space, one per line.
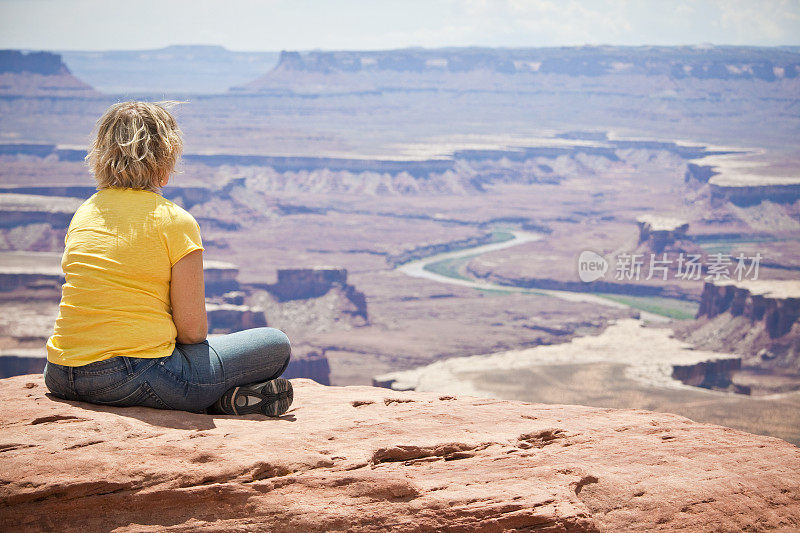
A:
137,146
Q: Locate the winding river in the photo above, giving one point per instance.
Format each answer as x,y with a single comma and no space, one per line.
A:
417,269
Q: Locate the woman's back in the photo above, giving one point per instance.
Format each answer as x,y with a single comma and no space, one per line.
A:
132,326
120,248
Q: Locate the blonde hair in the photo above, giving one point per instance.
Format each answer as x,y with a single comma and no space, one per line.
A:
137,146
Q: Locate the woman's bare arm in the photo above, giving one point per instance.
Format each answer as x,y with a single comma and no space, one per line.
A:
187,294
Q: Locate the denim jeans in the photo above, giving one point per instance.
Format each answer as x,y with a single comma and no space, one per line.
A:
191,379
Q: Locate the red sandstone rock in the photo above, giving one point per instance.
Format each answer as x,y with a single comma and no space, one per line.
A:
368,459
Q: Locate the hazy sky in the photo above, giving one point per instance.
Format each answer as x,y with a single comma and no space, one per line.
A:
382,24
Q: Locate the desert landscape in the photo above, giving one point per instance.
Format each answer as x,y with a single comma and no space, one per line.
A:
414,218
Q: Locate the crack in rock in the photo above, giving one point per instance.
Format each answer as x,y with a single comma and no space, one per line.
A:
83,444
57,418
11,446
446,451
389,401
540,438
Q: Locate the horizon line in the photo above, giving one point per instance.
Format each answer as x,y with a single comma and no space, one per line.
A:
703,45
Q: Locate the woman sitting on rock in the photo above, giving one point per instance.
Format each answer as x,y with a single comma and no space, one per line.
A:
132,326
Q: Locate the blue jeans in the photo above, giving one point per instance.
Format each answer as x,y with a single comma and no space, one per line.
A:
191,379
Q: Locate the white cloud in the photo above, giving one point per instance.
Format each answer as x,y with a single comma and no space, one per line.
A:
765,21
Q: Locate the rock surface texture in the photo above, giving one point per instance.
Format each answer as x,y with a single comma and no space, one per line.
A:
367,459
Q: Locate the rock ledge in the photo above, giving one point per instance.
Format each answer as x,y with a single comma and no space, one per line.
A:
368,459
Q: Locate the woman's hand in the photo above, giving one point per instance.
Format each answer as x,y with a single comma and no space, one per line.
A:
187,294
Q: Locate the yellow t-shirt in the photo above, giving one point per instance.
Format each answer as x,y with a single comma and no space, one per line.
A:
120,248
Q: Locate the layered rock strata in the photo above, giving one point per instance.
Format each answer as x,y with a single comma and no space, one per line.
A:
775,304
746,190
758,319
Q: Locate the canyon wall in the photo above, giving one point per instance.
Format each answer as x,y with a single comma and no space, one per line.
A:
227,318
21,363
746,195
44,63
308,283
303,283
17,281
36,218
658,232
721,63
298,163
34,222
220,277
715,374
185,196
309,364
775,304
38,74
456,172
699,173
757,319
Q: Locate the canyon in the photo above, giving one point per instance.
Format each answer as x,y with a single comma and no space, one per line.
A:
315,182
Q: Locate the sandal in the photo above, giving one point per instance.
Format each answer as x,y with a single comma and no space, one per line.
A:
271,398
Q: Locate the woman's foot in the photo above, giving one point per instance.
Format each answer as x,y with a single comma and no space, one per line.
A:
271,398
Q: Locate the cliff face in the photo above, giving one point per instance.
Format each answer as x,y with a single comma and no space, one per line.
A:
746,195
312,283
699,173
700,71
312,364
38,74
661,232
366,459
757,319
716,374
675,62
43,63
227,318
776,304
302,283
220,277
